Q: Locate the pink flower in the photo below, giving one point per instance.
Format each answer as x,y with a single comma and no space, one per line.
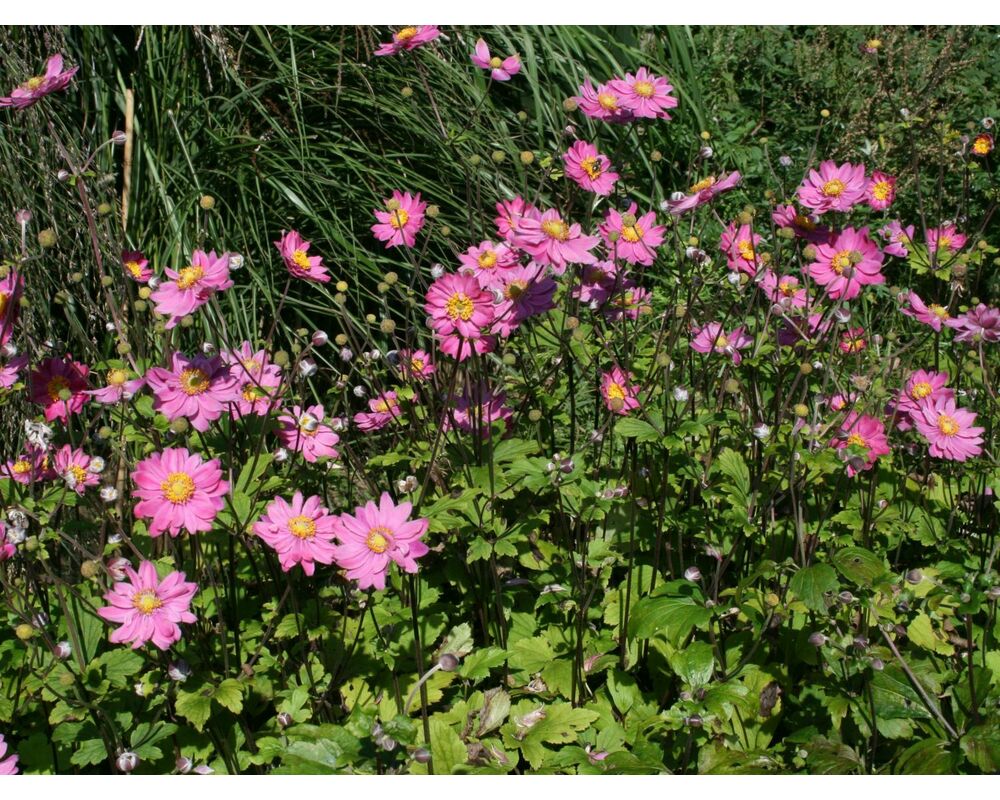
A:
636,240
54,378
979,324
147,608
73,466
199,388
8,548
476,409
628,301
376,535
922,386
803,225
11,288
604,103
8,766
415,365
10,372
811,328
304,432
487,263
189,288
401,221
119,387
838,402
853,340
740,246
881,190
408,38
713,339
833,187
384,409
295,252
946,237
55,79
932,314
704,191
899,238
865,432
258,381
136,266
948,429
785,291
527,292
619,393
551,241
500,69
509,212
589,169
850,262
28,467
597,282
178,491
301,532
645,94
459,309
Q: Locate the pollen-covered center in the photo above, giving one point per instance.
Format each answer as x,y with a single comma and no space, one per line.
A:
515,289
398,218
302,527
487,259
460,307
556,229
721,341
921,390
616,391
802,221
55,387
608,101
702,185
34,82
194,381
301,259
858,439
405,34
643,88
189,276
178,487
632,233
308,425
746,250
379,539
496,62
938,311
592,166
787,288
146,602
116,377
834,188
134,268
947,425
384,405
78,473
882,190
944,241
841,261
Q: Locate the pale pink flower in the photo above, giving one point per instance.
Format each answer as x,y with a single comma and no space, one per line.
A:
401,220
304,432
476,409
635,239
604,102
408,38
10,372
148,609
784,290
898,238
948,429
704,191
416,365
804,226
922,386
73,466
501,69
589,168
853,340
189,288
178,491
487,263
301,532
28,467
295,253
509,212
459,310
833,187
739,243
619,393
979,324
929,314
54,79
865,432
383,410
627,301
597,283
11,289
712,338
119,387
8,766
645,94
554,242
198,388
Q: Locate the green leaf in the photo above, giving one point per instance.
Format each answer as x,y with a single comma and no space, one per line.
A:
531,654
87,752
195,707
496,707
929,757
229,694
731,464
811,583
981,746
478,663
120,665
672,616
861,566
447,749
921,632
637,429
695,664
458,642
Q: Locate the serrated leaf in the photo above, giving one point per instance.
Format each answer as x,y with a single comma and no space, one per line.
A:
195,707
695,664
478,663
531,654
88,752
229,694
458,642
861,566
637,429
447,749
674,617
921,632
810,584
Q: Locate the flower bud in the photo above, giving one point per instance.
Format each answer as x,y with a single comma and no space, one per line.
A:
127,762
692,574
284,719
179,671
183,765
47,238
817,639
62,651
119,138
448,662
421,755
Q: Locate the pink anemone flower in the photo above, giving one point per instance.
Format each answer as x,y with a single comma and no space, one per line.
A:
54,79
632,239
853,341
199,388
374,536
604,102
621,396
628,301
590,169
501,69
979,324
178,491
401,221
408,38
189,288
258,381
301,532
922,386
527,292
119,387
804,226
711,338
416,365
304,432
554,242
475,411
28,467
597,283
11,289
509,212
947,238
8,766
383,410
740,246
459,309
867,433
74,467
880,191
982,145
851,261
645,94
833,187
704,191
295,253
148,609
10,372
898,238
60,385
948,429
136,266
929,314
784,290
487,262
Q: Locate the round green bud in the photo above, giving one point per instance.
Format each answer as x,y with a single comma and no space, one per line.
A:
341,339
509,359
371,319
732,385
24,632
391,278
406,91
498,156
179,425
281,358
103,209
124,348
105,432
801,410
387,326
145,292
522,116
207,202
445,230
534,415
570,105
527,158
47,238
805,367
187,321
433,211
90,569
382,287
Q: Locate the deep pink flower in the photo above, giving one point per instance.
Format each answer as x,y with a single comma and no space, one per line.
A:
375,535
401,221
11,289
946,237
54,79
304,432
189,288
136,266
295,252
408,38
28,467
10,372
383,410
527,292
178,491
805,226
487,263
865,432
8,766
833,187
627,301
853,340
948,429
713,339
739,243
509,212
796,330
933,314
851,261
119,387
301,532
838,402
147,608
416,365
476,409
589,169
604,102
459,309
501,69
784,290
55,377
597,283
636,239
8,548
258,381
898,238
645,94
199,388
619,393
979,324
553,242
881,190
73,466
922,386
704,191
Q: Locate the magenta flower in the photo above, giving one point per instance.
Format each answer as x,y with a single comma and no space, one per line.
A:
932,314
408,38
376,535
589,169
527,292
8,766
73,466
295,252
10,372
784,290
619,393
713,339
459,310
487,263
796,330
304,432
898,238
865,432
853,341
119,387
60,385
948,429
402,220
509,212
136,266
946,237
178,491
635,239
199,388
189,288
301,532
880,191
979,324
383,410
628,301
54,79
258,381
740,246
851,261
921,387
604,102
704,191
597,283
501,69
833,187
11,289
28,467
147,608
475,411
8,548
553,242
645,94
804,226
416,365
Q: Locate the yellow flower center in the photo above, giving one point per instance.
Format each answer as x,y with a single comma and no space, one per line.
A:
632,233
721,340
189,276
55,387
746,250
592,166
920,390
250,393
417,364
301,259
134,268
385,405
841,261
79,473
608,101
854,345
858,439
146,602
702,185
787,288
616,391
947,425
487,260
399,218
643,88
194,381
21,466
33,83
116,377
459,306
556,229
981,146
939,311
496,62
378,539
882,190
406,34
302,527
874,44
944,241
308,425
833,188
515,289
178,487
